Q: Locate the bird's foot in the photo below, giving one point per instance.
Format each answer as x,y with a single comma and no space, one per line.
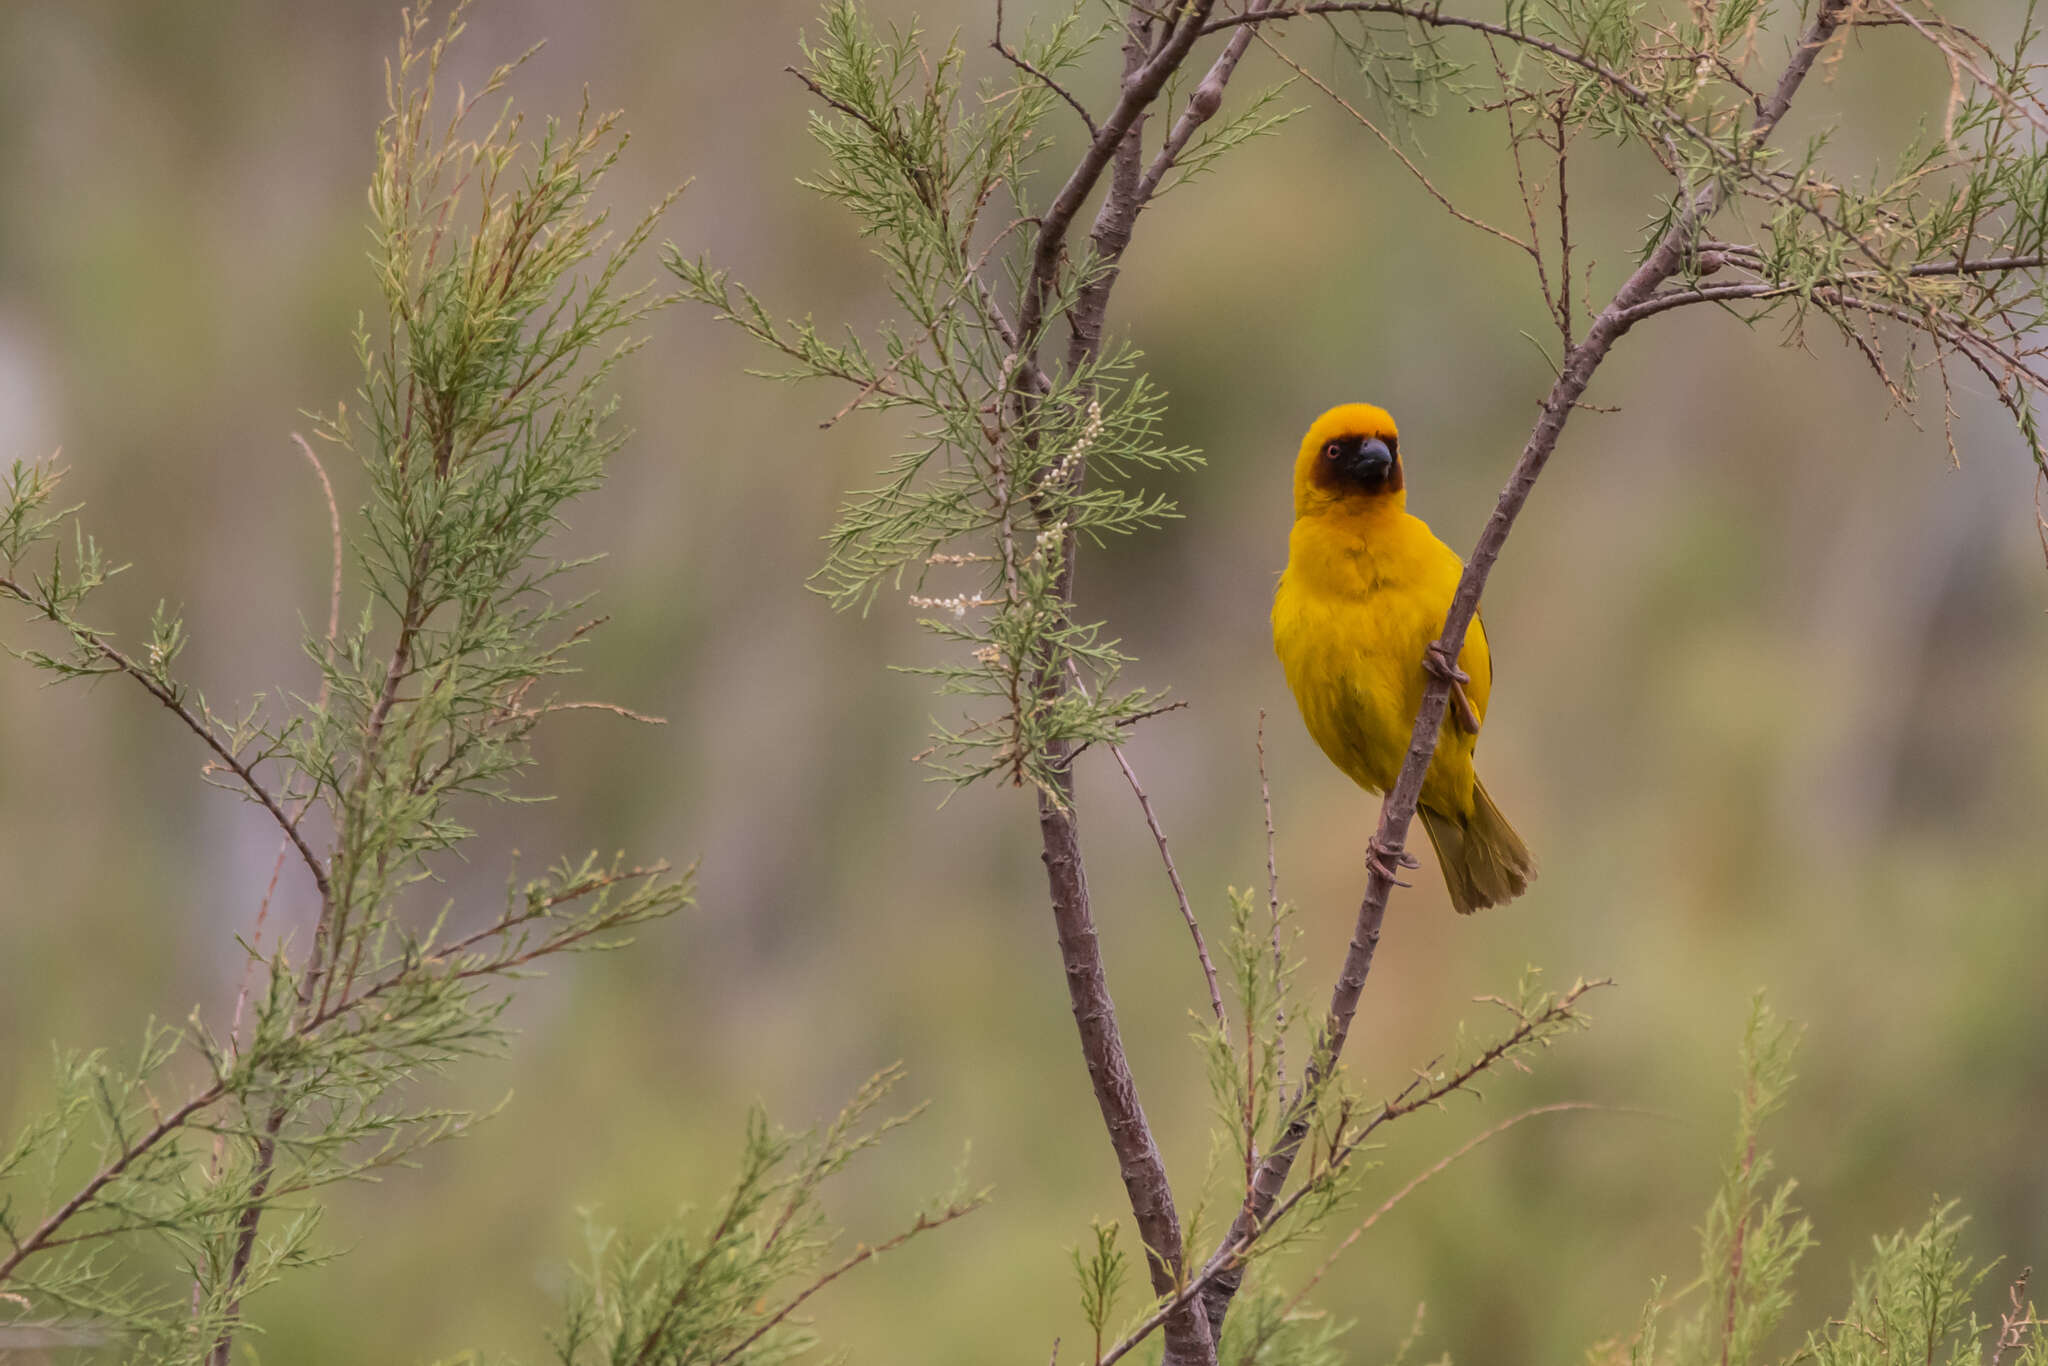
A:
1439,663
1388,861
1435,661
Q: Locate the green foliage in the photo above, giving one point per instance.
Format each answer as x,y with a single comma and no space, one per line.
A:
1752,1238
1266,1329
1258,1111
1914,1300
1102,1274
722,1295
1004,466
484,411
1248,1073
1943,239
993,482
138,1200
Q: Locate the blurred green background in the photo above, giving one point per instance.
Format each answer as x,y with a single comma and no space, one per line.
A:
1770,704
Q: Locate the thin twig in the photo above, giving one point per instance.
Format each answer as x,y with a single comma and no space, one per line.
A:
1180,893
1017,60
319,705
1516,136
2013,1325
1416,171
614,708
334,532
1766,289
1956,57
1564,229
1416,1182
1273,913
864,1253
1150,712
202,728
881,383
1436,18
1144,78
43,1233
1735,1242
1225,1266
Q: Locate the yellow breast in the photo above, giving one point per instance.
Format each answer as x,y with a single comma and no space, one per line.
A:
1365,592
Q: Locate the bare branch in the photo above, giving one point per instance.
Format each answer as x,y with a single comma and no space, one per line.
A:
1416,171
1564,228
1273,912
2013,1325
1180,893
1958,59
1153,51
1436,19
320,704
614,708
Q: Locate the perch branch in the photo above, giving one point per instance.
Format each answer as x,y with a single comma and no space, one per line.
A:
1397,811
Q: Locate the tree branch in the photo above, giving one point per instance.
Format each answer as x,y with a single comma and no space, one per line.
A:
1180,893
43,1235
1017,59
1416,171
1764,289
199,727
1226,1267
1415,1183
1116,1094
866,1252
1151,55
1397,811
1144,77
1437,19
2013,1326
1202,104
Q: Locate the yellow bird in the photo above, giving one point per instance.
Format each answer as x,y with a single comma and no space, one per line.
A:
1355,623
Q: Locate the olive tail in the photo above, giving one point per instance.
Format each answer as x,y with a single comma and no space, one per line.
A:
1485,862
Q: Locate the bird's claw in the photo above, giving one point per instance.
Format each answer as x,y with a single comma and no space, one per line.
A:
1437,662
1388,861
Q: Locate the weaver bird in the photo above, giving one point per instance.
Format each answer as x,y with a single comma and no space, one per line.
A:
1355,623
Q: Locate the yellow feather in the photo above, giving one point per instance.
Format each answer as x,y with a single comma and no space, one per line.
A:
1366,590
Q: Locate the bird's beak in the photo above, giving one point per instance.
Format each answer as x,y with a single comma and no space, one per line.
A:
1372,463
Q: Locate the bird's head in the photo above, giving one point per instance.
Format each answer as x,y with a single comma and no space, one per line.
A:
1350,459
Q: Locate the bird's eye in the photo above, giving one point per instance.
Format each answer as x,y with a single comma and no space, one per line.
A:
1333,450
